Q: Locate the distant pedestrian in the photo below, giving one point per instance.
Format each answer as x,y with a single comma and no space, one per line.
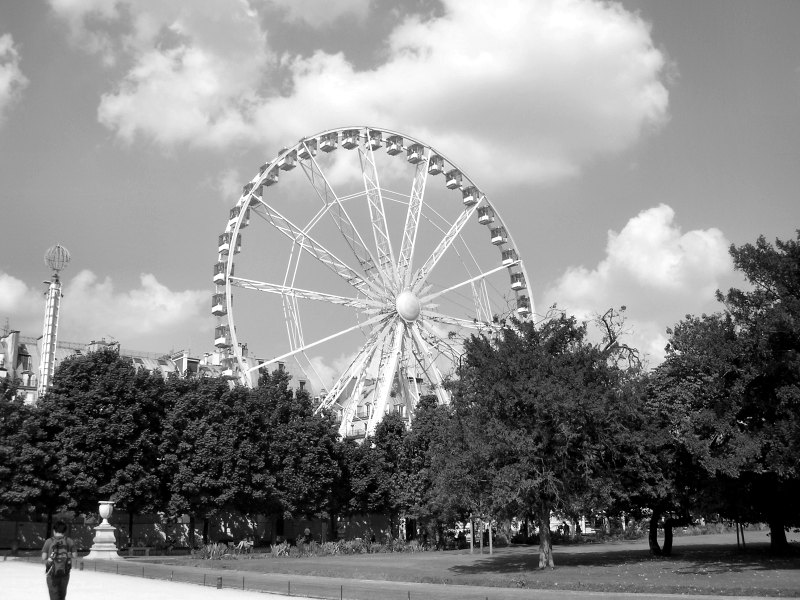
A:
58,553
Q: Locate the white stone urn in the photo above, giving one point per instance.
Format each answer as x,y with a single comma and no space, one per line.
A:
105,542
106,508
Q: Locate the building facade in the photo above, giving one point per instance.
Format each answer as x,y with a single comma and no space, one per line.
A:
21,358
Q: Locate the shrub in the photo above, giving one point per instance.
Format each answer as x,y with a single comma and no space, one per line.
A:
281,549
214,551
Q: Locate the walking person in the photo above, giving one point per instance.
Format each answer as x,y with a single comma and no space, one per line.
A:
58,553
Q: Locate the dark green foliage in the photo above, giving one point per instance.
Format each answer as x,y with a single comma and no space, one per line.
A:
539,411
101,422
730,391
427,437
301,448
20,480
375,470
213,450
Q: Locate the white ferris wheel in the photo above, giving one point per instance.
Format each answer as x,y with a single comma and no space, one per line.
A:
367,257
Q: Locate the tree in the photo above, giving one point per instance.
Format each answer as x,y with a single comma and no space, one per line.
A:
102,423
21,483
214,451
301,448
426,439
544,407
768,321
375,469
732,383
695,398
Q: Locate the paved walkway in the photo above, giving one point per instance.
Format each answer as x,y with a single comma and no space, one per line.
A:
22,580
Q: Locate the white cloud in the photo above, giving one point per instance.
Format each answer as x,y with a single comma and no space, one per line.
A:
12,80
151,317
533,88
21,305
320,14
653,269
227,183
326,371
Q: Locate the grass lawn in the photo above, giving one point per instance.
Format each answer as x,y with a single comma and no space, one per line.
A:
700,565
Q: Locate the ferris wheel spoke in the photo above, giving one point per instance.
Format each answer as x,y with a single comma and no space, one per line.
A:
425,358
455,321
348,390
302,294
357,366
425,270
305,347
425,299
387,368
377,215
302,239
412,220
334,206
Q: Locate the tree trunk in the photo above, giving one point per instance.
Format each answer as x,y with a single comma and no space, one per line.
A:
777,536
480,532
191,533
471,534
667,549
205,530
545,544
655,549
131,539
491,546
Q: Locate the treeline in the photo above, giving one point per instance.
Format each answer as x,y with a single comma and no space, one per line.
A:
555,418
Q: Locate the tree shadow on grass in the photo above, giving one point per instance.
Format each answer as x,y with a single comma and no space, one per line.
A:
707,559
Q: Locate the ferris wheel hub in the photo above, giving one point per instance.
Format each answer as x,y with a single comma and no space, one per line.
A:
407,305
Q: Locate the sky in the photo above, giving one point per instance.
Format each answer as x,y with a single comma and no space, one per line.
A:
628,144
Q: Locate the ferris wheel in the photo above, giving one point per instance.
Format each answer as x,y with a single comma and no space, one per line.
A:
367,257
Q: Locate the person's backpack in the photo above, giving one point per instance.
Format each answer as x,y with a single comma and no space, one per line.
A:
59,558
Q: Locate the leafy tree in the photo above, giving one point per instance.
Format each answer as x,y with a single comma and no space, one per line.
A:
302,453
769,319
102,423
732,382
544,408
421,445
376,476
214,450
21,484
464,466
694,400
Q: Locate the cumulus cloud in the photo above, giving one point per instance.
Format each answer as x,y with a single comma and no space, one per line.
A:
653,269
12,80
324,371
151,317
18,302
534,88
319,14
227,183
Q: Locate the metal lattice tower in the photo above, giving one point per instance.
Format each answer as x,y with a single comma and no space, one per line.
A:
56,258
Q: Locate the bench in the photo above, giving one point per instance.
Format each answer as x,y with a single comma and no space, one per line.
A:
132,550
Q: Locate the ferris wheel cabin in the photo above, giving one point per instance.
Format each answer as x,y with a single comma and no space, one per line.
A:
453,179
308,150
218,306
328,142
394,145
350,138
415,153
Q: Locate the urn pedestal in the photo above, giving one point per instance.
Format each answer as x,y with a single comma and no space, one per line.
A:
105,542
